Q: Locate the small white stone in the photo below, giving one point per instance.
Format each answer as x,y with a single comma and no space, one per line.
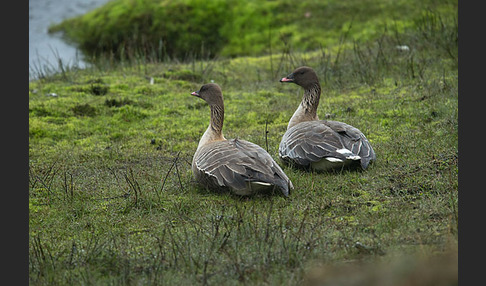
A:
404,48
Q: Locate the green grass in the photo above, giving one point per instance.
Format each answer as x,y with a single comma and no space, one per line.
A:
112,199
161,29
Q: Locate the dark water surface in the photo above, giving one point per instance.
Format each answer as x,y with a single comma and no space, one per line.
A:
45,49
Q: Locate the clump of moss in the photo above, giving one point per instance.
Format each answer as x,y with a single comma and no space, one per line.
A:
40,111
98,89
84,110
117,103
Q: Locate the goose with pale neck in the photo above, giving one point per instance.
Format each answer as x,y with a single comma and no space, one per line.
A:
235,165
321,145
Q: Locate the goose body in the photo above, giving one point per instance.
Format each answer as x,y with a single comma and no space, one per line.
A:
239,166
321,145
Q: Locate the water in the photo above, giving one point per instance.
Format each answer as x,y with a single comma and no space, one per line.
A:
45,49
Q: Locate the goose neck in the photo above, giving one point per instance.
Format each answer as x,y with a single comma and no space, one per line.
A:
214,132
217,118
310,101
307,110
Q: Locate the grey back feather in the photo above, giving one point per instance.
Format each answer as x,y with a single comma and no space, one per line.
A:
232,164
311,141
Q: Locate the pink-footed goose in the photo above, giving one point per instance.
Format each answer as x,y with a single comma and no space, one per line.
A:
236,165
321,145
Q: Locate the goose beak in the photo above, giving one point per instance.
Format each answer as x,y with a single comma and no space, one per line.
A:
195,93
289,78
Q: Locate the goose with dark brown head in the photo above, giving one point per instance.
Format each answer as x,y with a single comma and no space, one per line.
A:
321,145
235,165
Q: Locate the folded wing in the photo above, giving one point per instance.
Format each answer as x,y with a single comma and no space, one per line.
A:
239,165
312,141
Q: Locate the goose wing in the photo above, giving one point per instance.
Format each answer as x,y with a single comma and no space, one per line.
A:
234,163
354,140
312,141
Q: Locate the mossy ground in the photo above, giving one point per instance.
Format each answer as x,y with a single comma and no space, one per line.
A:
111,194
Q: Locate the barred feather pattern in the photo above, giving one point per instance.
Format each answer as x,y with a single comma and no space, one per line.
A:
239,166
217,118
312,141
310,101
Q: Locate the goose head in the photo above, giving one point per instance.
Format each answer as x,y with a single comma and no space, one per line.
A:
303,76
211,93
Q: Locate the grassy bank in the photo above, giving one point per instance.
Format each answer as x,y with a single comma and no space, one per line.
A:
184,29
112,199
